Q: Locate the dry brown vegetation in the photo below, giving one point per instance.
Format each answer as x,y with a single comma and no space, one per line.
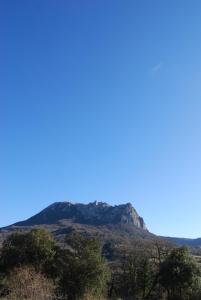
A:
26,283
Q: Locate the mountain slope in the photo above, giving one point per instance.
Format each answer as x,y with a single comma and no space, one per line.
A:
120,223
96,213
185,241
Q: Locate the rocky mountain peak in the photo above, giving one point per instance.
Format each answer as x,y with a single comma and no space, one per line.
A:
94,213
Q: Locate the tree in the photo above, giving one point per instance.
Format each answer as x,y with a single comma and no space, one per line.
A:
36,248
137,276
139,271
84,268
178,273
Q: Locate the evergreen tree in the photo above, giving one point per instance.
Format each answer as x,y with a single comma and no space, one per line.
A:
84,268
179,273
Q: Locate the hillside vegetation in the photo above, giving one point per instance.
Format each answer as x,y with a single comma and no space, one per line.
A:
33,266
119,223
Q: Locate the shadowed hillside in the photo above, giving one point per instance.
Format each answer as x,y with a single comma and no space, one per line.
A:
119,223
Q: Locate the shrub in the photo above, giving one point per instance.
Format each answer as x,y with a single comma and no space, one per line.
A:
26,283
36,248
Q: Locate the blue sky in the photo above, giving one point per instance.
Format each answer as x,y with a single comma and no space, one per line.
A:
102,100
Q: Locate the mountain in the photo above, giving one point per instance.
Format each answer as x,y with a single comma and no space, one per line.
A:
185,241
95,213
120,222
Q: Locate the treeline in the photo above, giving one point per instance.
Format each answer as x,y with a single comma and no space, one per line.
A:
33,266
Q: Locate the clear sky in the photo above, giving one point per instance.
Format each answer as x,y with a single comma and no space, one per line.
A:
101,100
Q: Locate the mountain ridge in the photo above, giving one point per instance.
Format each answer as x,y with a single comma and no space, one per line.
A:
120,223
191,242
117,222
93,213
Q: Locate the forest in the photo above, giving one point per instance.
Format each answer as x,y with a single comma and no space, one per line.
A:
34,266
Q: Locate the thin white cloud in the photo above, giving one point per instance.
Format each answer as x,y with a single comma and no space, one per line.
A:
156,68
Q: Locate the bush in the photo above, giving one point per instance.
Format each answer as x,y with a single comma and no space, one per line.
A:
26,283
36,248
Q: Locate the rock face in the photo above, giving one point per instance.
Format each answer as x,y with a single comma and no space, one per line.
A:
95,213
119,224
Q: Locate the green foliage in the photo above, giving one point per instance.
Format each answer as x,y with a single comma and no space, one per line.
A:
139,273
85,270
108,250
35,248
148,270
179,273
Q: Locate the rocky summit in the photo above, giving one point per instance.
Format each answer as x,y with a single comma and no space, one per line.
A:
95,213
119,223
